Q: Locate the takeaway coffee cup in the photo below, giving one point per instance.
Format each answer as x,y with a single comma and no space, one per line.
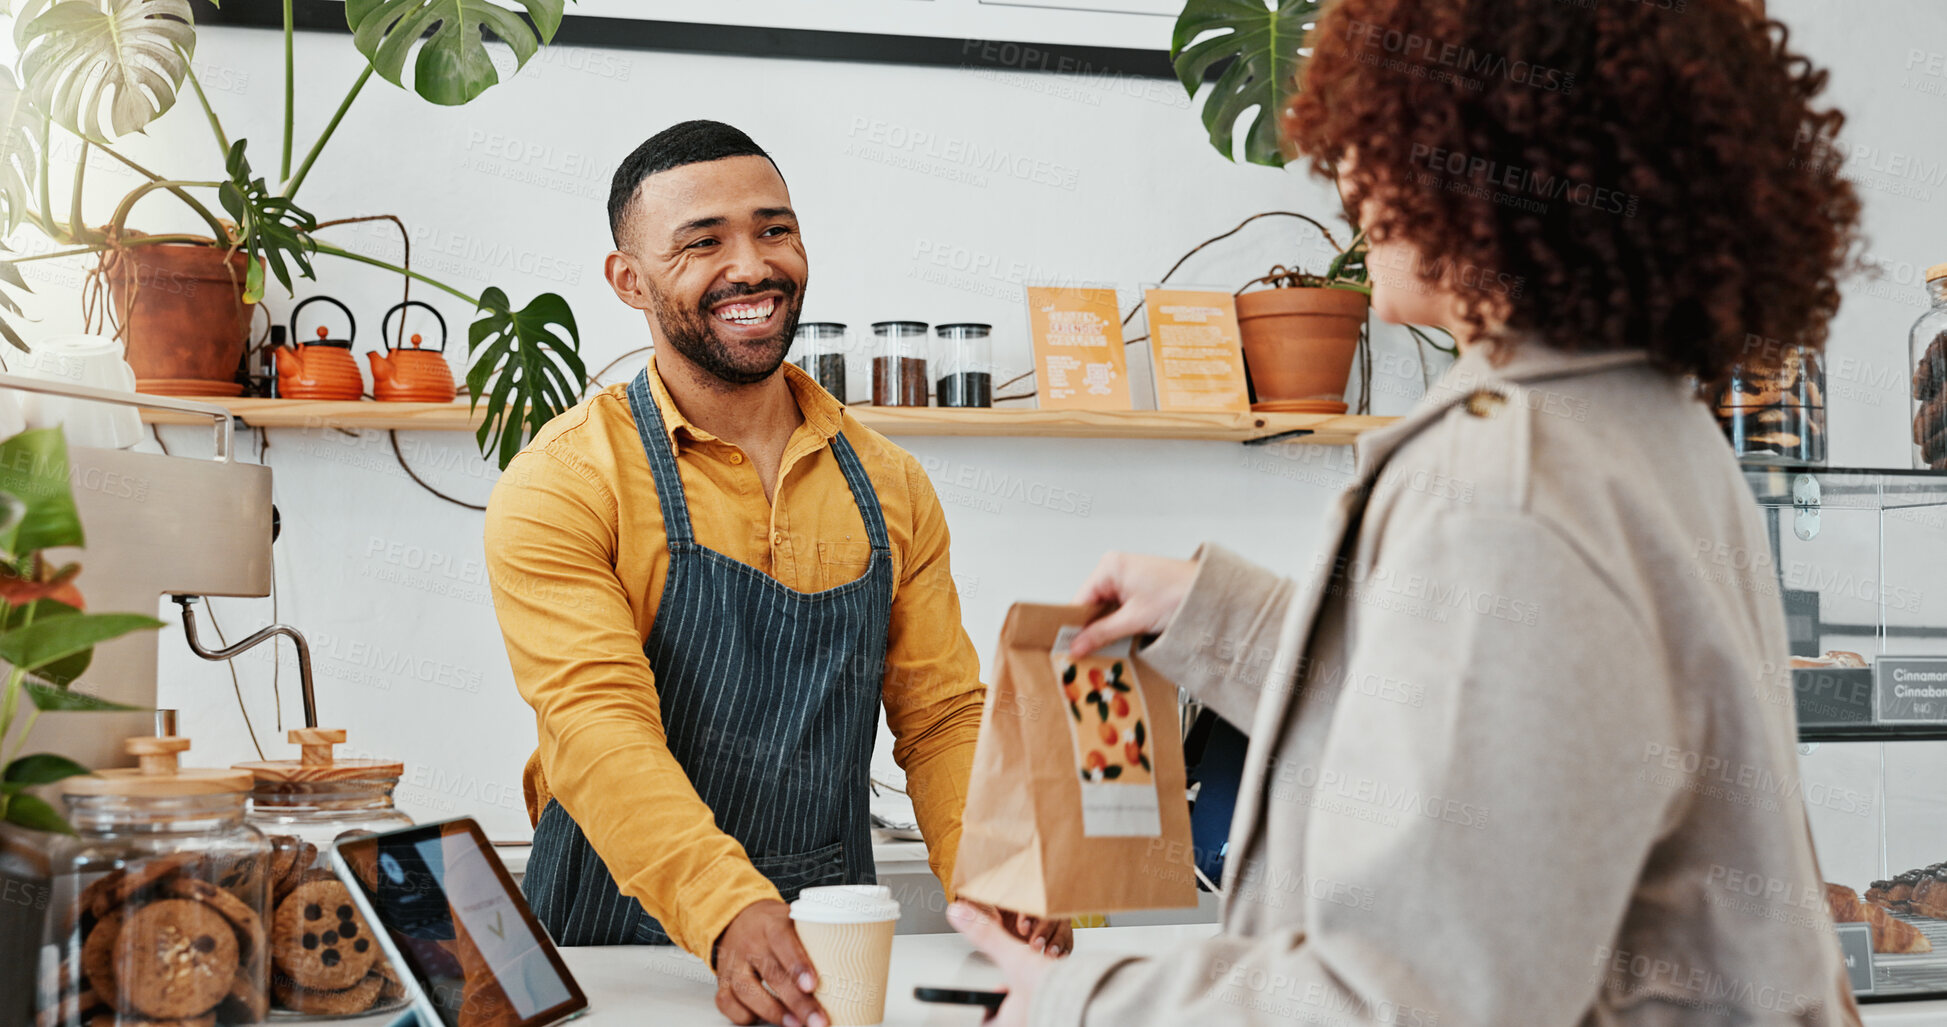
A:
847,931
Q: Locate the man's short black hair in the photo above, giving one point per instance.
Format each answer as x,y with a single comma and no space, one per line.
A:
690,142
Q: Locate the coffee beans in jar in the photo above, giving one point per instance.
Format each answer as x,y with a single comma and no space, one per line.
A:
899,377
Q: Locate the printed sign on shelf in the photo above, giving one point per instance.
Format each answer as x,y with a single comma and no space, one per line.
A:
1856,945
1911,689
1078,359
1196,350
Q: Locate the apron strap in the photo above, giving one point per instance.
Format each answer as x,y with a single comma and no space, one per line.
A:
863,494
662,462
669,482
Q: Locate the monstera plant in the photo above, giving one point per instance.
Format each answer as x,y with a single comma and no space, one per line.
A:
1261,44
102,70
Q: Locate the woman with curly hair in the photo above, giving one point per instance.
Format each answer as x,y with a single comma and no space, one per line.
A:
1522,748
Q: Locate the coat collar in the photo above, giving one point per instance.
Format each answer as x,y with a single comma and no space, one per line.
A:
1527,361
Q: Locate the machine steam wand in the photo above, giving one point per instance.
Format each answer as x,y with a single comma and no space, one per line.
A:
303,651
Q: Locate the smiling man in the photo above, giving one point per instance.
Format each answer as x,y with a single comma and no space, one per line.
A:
709,580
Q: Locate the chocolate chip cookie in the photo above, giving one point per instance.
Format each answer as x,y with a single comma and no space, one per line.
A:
175,959
98,953
319,941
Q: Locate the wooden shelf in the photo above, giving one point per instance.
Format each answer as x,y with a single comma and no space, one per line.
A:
1324,429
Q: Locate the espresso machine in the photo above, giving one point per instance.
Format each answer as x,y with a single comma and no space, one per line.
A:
155,526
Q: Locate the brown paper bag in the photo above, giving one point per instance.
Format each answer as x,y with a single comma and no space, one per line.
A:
1076,802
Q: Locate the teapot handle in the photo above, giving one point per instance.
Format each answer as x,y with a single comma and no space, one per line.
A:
351,330
385,333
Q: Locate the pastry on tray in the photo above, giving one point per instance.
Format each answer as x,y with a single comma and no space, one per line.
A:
1833,658
1890,934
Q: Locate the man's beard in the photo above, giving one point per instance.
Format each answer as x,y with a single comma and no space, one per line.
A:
692,333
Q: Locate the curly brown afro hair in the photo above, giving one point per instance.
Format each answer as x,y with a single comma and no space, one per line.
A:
1646,173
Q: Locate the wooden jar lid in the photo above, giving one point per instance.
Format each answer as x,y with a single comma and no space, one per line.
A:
317,764
158,775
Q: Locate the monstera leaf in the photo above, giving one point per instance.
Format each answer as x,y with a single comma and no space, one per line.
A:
518,351
453,65
129,56
1262,44
273,228
9,307
19,162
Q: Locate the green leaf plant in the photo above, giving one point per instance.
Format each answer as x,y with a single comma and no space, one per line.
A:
1258,47
102,70
46,636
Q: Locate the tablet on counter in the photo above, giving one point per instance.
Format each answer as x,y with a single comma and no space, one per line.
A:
452,921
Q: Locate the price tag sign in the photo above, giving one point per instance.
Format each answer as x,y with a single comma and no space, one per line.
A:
1078,359
1911,689
1856,944
1196,350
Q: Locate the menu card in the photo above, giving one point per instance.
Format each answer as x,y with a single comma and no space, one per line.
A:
1078,359
1195,349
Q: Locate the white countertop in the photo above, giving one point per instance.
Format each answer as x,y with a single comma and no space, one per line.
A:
886,851
633,985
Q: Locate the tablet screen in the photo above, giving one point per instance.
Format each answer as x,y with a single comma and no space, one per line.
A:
462,927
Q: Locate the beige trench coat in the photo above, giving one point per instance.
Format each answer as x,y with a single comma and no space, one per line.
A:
1522,749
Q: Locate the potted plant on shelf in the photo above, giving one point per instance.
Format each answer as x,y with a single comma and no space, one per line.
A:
103,69
1301,331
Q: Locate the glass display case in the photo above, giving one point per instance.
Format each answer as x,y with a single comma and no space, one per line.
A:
1860,560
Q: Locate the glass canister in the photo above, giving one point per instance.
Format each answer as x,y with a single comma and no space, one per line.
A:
1774,411
159,904
324,960
822,346
899,364
966,366
1928,345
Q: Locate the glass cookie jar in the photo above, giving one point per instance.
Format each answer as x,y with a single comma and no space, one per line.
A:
1777,414
158,904
324,960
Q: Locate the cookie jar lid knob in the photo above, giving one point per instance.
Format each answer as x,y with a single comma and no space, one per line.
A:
318,761
315,744
157,757
158,772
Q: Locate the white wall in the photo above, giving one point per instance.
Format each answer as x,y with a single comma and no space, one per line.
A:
509,191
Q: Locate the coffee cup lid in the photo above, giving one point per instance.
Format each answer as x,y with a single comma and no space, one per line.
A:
846,904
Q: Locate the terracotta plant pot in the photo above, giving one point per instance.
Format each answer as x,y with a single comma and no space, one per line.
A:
1299,343
182,313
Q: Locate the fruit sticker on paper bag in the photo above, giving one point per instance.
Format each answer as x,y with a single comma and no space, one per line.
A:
1109,726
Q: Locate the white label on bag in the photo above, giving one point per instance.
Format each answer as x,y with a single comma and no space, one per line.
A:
1110,727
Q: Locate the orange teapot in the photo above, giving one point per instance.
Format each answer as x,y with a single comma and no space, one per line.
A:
411,375
323,369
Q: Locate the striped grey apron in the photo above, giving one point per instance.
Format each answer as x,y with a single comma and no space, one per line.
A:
770,702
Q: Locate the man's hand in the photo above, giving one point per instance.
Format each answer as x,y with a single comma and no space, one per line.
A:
1054,936
760,950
